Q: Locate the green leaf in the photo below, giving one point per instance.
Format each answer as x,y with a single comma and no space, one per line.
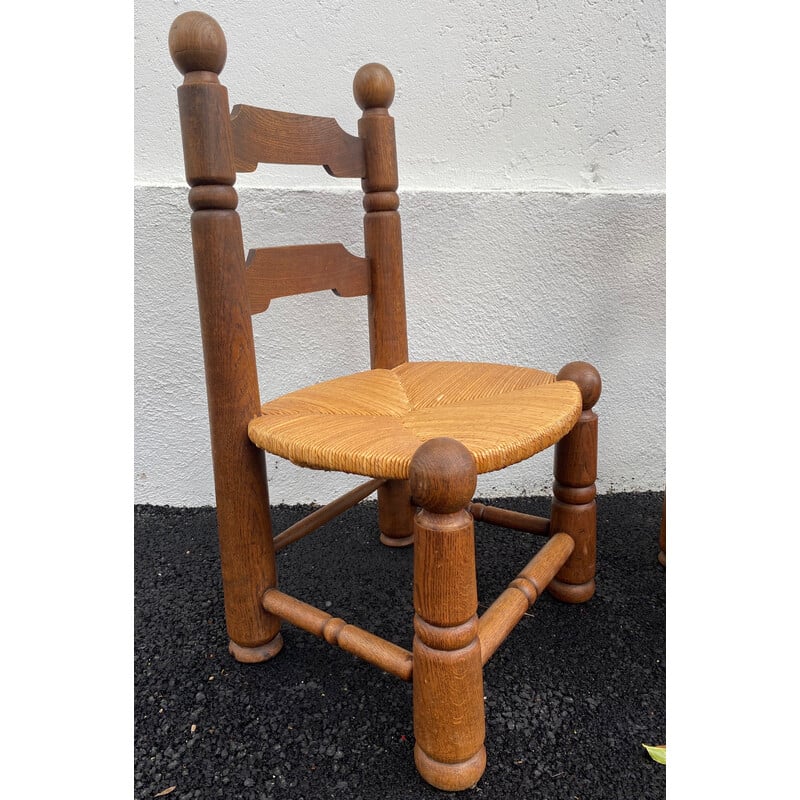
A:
657,753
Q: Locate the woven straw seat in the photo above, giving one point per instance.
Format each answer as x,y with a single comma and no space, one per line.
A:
371,423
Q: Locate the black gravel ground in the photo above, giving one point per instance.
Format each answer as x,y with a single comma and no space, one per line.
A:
570,696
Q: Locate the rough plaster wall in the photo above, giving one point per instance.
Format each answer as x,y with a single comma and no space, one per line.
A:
558,94
531,145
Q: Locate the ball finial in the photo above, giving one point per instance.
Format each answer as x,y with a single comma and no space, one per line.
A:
443,476
373,87
196,42
587,378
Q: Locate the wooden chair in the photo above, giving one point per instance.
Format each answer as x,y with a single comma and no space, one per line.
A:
420,432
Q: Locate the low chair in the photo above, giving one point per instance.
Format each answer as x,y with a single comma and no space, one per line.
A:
420,432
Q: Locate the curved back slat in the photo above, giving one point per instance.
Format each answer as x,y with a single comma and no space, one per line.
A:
283,271
263,136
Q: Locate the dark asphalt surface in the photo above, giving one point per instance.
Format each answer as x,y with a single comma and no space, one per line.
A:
570,696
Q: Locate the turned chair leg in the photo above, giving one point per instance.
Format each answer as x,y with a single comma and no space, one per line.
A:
395,514
449,722
574,510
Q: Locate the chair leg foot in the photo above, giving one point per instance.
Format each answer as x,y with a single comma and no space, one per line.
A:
571,592
393,541
450,777
256,655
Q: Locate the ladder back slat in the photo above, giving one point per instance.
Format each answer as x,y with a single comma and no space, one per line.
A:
283,271
263,136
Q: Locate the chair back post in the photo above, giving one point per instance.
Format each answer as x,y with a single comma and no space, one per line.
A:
373,89
198,48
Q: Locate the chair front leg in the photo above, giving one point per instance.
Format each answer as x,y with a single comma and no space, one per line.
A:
449,722
573,509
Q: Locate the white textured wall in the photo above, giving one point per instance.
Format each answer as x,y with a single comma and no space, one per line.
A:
531,147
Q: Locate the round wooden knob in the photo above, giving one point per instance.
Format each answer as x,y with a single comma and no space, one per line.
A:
442,476
587,378
197,43
373,87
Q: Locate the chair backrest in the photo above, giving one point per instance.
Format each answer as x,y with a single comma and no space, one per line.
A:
218,143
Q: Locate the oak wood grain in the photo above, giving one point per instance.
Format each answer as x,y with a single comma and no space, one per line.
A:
296,269
264,136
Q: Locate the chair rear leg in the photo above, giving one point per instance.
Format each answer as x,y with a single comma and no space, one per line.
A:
395,514
449,724
574,510
197,45
247,559
244,527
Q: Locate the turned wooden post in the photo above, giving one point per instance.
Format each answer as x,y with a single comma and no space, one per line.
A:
447,675
395,514
373,89
198,48
574,510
